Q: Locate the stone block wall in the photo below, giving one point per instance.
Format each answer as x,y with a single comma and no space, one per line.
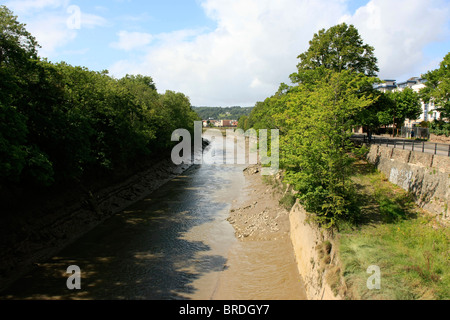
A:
426,176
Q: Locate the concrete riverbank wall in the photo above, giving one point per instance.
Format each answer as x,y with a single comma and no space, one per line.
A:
316,255
426,176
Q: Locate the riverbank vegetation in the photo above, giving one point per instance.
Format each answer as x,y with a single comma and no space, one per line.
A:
409,246
63,124
333,92
332,87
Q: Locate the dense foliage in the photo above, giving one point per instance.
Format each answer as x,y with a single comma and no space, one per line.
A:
222,113
438,87
61,123
403,105
339,48
316,150
440,128
333,92
333,88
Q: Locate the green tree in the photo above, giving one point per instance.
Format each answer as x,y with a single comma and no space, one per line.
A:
438,87
63,123
315,149
333,93
20,72
402,105
17,45
221,113
341,48
374,115
338,48
262,115
243,123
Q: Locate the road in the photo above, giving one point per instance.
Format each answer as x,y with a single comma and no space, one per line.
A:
408,144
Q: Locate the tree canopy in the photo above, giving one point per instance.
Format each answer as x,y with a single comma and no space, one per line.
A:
337,48
402,105
315,146
438,87
333,92
222,113
61,123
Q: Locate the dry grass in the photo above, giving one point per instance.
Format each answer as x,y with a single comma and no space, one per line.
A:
409,246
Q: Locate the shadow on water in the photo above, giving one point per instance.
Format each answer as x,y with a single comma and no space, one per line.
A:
145,252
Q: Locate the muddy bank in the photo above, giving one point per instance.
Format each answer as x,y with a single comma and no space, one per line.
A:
44,231
261,265
261,217
307,248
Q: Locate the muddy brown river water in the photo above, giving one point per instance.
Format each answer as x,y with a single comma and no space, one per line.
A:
174,244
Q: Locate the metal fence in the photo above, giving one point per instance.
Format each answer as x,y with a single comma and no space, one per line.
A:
416,133
413,145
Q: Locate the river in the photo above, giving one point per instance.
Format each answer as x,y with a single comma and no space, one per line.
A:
174,244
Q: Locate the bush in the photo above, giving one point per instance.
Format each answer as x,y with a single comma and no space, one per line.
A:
440,128
288,201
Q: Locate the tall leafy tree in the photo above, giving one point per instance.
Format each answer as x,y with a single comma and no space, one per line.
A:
17,45
338,48
438,87
262,115
243,123
61,123
316,148
401,105
377,113
19,72
333,92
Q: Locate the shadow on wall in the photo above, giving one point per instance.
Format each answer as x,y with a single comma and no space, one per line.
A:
141,253
425,176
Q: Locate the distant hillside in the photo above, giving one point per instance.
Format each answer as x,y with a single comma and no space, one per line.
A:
222,113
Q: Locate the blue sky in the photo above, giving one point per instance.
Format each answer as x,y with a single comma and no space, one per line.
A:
230,52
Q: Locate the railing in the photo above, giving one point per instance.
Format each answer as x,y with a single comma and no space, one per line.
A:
413,145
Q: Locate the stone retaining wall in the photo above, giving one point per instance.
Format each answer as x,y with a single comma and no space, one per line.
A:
426,176
316,266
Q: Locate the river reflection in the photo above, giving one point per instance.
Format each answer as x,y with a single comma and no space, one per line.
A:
174,244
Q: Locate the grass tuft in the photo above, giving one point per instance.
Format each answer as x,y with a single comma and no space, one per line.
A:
410,247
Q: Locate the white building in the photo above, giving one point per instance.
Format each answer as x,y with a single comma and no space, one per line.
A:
429,112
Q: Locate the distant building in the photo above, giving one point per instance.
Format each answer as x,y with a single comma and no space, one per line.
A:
388,85
429,112
228,123
220,123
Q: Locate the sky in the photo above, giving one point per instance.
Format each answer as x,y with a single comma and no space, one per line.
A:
229,52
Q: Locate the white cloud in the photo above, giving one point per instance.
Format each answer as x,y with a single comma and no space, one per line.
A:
251,51
50,21
52,34
132,40
256,43
400,30
91,20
